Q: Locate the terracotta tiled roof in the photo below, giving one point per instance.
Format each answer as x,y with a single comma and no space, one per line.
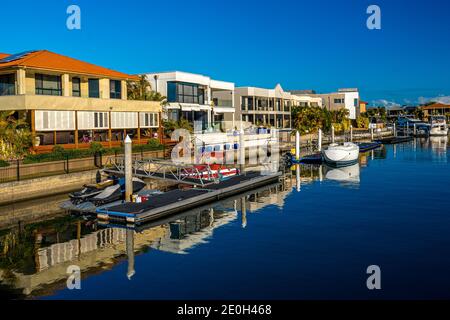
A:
436,106
47,60
3,55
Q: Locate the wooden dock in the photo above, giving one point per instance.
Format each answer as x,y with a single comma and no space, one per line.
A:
395,140
180,200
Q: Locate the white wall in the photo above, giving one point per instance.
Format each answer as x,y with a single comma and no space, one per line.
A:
350,103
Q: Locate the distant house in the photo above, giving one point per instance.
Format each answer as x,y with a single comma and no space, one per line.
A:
72,103
436,109
362,107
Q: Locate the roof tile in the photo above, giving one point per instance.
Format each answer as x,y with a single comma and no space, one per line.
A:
44,59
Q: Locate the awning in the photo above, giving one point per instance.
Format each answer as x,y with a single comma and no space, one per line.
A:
194,107
223,109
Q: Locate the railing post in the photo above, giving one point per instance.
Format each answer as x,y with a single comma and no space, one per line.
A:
18,170
319,140
67,163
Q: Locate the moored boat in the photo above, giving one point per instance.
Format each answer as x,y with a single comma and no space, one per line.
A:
439,126
341,154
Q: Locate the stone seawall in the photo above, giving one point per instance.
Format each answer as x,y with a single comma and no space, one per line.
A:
13,192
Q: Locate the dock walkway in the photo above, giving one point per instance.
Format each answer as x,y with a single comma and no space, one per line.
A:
180,200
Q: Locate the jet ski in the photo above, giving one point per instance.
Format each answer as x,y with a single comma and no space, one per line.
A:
116,192
91,190
112,189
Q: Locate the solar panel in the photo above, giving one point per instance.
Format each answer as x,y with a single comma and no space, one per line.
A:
16,56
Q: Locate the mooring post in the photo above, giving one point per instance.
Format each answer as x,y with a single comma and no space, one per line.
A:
415,130
297,177
395,130
130,253
297,145
332,134
351,133
319,140
243,212
371,133
128,169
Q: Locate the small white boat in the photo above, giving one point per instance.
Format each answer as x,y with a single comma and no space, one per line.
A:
340,155
439,126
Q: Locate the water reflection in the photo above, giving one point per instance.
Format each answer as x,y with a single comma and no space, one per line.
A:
35,256
348,174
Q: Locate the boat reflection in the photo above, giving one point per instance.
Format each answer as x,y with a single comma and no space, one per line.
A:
349,174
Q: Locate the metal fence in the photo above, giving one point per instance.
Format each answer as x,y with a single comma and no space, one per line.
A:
17,170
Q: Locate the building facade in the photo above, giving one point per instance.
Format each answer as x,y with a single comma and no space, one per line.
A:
347,98
196,98
436,109
266,107
72,103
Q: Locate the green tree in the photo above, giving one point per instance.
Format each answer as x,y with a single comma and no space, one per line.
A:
15,136
142,90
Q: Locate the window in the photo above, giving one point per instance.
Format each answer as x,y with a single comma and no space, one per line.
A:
148,120
338,100
76,87
355,102
185,93
115,89
48,85
94,88
7,85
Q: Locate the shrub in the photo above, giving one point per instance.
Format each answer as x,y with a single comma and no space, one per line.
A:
362,122
153,142
4,163
96,147
58,149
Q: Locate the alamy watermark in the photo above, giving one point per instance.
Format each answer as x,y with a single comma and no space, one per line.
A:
374,20
374,280
253,146
74,279
73,21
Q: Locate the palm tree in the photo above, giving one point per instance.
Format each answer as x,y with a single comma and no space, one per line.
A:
142,90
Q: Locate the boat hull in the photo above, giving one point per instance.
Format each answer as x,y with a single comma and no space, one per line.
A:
341,155
438,132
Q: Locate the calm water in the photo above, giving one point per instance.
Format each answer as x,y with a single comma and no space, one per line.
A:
391,210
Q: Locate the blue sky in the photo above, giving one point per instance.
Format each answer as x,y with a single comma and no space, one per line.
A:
321,45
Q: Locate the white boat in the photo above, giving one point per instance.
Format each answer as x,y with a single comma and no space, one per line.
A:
340,155
439,126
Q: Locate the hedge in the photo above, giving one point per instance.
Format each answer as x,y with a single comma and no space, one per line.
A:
59,153
4,163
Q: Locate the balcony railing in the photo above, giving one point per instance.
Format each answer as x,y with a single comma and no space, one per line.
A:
224,103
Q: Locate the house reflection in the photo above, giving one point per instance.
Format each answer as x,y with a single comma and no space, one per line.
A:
36,256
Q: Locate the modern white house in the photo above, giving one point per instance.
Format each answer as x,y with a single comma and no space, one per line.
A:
195,97
351,100
269,107
347,98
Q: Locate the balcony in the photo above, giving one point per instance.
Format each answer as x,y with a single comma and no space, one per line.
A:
42,102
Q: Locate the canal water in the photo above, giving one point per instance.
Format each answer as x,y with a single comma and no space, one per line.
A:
307,239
